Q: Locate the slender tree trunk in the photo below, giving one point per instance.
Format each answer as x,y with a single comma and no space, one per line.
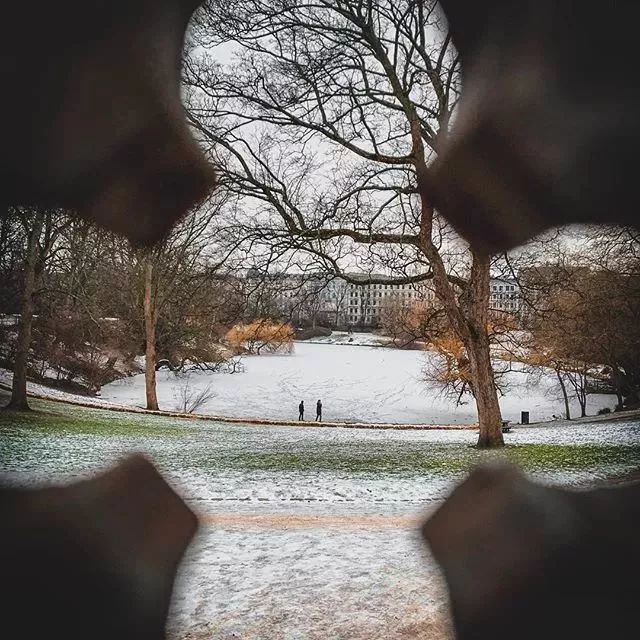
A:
150,324
19,386
565,395
578,381
583,404
580,385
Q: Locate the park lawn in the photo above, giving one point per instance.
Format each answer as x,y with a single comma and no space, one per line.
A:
50,417
252,572
214,446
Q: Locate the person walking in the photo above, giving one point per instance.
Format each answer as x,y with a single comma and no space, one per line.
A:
301,410
319,411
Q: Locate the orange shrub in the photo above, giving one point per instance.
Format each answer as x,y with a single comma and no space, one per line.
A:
261,336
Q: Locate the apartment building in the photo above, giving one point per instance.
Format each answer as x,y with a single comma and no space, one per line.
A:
366,302
357,302
504,295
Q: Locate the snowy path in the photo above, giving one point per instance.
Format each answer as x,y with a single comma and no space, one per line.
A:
310,583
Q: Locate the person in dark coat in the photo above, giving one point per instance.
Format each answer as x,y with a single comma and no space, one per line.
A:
319,411
301,410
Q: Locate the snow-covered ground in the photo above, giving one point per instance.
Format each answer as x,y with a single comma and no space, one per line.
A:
355,383
353,339
307,533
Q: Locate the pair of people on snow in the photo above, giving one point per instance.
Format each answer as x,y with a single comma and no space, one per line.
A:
318,410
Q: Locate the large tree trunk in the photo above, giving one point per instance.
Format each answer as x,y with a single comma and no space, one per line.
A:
467,313
475,306
150,324
19,386
485,392
468,316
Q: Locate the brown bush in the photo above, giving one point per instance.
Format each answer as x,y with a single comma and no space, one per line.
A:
261,336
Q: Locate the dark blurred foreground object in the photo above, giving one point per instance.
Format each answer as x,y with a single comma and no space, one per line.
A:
526,561
546,134
95,559
547,130
91,117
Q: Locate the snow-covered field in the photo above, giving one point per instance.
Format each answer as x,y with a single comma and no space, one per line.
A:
355,383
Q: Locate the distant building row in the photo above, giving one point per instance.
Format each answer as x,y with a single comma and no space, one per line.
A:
312,299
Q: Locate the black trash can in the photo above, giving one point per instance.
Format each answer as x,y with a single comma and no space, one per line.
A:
524,417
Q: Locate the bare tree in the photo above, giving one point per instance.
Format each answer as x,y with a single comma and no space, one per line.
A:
188,399
324,125
19,386
98,302
582,318
175,275
151,309
571,374
41,228
72,344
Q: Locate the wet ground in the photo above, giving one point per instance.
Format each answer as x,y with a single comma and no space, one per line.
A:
307,533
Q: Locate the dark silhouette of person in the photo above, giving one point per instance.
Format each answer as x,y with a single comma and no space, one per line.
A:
319,411
301,410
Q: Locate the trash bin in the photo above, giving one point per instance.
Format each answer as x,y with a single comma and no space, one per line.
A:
524,417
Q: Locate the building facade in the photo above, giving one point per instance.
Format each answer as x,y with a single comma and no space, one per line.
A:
314,299
504,295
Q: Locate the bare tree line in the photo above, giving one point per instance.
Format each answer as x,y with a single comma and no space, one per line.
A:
89,302
88,290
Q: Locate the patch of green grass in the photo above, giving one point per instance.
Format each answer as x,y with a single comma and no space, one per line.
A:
61,432
444,459
52,417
